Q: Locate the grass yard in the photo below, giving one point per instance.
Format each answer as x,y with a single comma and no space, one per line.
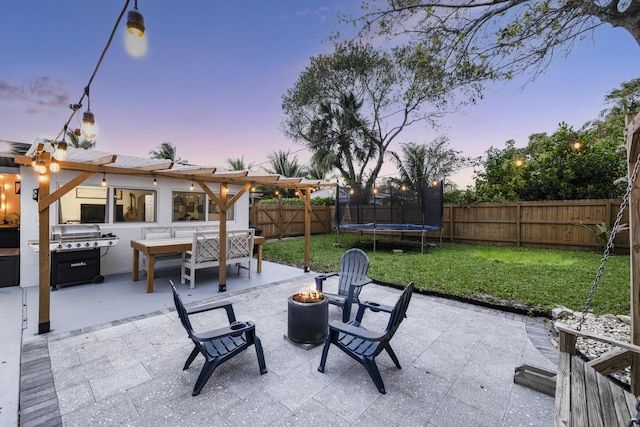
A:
538,279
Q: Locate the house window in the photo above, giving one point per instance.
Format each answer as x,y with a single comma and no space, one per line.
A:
134,205
85,205
214,212
188,206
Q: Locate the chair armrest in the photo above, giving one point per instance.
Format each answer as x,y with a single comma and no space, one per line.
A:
234,329
355,331
354,286
320,279
375,307
214,306
362,282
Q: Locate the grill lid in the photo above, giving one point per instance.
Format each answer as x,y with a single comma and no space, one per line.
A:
70,232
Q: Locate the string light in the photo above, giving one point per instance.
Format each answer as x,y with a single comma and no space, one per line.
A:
191,187
43,158
54,166
135,41
88,128
60,152
104,180
155,182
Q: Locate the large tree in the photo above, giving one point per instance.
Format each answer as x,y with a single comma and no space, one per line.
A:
566,165
504,37
353,103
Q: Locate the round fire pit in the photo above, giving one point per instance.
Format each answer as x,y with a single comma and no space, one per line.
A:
308,318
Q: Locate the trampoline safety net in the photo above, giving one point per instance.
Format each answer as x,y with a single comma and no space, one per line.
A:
388,208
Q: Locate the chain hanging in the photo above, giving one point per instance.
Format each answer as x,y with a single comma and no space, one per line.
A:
609,247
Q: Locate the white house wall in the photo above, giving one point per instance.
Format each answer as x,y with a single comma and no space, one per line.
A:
118,259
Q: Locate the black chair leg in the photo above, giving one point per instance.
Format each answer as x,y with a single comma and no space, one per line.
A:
260,354
325,351
392,355
374,373
204,376
346,312
191,358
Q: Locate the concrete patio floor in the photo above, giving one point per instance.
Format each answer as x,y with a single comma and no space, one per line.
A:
115,357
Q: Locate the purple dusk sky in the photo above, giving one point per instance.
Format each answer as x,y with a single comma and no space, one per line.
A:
213,79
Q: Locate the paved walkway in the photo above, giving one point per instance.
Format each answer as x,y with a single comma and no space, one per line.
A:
458,363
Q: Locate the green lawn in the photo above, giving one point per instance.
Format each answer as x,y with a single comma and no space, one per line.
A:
539,279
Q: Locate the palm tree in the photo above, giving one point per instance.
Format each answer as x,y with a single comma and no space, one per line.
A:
339,136
321,166
167,151
412,165
238,164
433,161
281,165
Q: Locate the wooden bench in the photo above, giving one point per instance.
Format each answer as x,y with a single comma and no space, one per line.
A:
159,232
205,252
585,396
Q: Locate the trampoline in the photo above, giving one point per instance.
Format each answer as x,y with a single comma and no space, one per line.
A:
406,208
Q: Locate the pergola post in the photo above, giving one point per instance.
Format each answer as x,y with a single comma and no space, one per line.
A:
632,136
222,272
44,289
305,196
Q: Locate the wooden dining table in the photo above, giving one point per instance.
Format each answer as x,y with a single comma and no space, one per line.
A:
153,247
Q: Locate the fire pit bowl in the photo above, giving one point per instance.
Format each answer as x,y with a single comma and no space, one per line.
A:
308,318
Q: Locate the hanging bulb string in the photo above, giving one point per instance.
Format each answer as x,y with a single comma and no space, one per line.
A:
95,71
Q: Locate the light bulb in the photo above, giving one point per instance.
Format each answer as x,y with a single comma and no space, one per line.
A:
155,182
54,166
135,41
60,154
88,125
104,181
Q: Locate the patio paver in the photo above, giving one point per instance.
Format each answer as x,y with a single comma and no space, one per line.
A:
458,362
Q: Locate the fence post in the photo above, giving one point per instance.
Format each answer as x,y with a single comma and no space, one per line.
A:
518,223
451,223
280,224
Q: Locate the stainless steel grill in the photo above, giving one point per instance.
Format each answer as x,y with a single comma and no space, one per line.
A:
73,237
75,253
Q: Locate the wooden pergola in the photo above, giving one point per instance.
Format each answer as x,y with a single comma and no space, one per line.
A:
89,162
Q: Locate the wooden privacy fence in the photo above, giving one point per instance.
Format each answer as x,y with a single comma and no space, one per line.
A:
544,224
279,221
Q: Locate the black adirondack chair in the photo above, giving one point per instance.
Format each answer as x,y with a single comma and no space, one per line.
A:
219,345
354,265
364,345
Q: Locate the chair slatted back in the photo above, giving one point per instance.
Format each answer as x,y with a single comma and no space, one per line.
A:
240,244
354,265
182,311
206,246
399,311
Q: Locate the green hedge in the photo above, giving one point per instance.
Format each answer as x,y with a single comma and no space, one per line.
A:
318,201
